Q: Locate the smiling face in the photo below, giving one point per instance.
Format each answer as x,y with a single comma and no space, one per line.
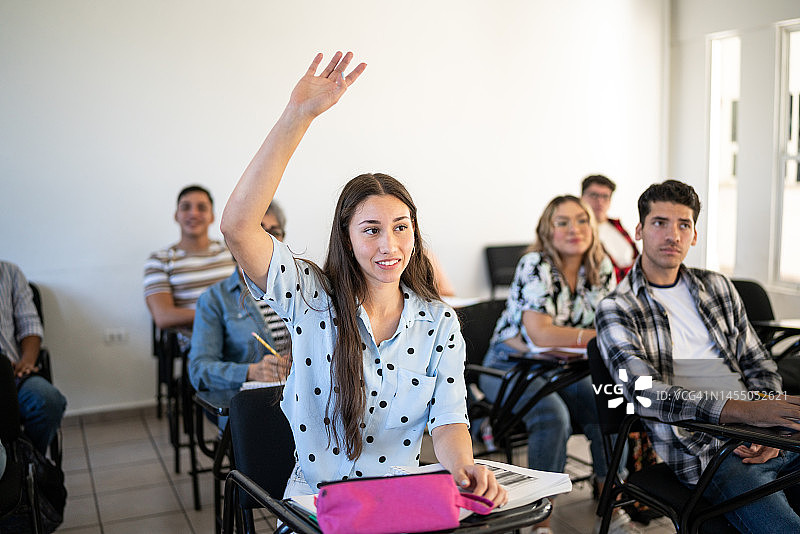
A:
666,233
572,230
194,214
382,237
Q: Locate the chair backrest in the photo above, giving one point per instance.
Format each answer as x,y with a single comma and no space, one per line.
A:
502,262
477,326
37,300
610,419
755,299
262,441
9,415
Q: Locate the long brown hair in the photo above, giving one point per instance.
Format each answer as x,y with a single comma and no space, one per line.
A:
544,239
347,288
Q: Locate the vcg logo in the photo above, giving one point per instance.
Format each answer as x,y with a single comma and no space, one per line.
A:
616,391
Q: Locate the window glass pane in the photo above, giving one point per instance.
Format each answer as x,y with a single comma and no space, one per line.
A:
723,151
790,213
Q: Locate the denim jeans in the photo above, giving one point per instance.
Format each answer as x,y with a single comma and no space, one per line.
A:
41,406
549,422
772,513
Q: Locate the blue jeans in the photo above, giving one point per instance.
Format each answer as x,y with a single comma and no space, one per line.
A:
549,422
772,513
41,406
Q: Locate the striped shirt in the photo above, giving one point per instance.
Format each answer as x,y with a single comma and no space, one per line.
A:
277,328
186,275
635,335
18,316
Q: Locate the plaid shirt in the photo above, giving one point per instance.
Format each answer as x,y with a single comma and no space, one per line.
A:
18,316
633,333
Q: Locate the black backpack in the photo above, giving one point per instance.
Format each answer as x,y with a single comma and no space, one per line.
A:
47,481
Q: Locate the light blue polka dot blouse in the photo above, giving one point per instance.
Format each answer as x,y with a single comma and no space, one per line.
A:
413,379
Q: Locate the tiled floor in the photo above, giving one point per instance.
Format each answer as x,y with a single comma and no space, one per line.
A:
120,478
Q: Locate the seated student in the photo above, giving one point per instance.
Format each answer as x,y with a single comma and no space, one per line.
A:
378,356
551,303
175,277
596,191
688,330
41,404
224,352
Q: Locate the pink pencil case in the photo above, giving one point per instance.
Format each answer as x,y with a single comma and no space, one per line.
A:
392,505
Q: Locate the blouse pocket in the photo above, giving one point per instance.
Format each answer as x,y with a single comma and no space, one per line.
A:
412,399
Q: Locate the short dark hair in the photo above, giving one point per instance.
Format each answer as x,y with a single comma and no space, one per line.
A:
276,210
195,188
669,191
597,179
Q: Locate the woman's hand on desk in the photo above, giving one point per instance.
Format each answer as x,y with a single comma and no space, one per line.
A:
480,481
269,369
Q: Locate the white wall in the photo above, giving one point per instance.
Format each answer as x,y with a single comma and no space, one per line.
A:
693,21
486,110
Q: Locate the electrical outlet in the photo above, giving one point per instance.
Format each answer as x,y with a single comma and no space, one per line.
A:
116,336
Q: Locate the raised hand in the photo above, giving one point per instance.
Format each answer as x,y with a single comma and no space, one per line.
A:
314,93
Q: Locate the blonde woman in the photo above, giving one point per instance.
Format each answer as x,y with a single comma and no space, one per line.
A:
556,289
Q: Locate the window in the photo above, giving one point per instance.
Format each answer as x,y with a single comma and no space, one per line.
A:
788,201
723,149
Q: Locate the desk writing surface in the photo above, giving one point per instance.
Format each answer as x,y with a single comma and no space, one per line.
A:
780,324
217,402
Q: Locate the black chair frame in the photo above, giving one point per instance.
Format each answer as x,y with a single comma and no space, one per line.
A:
505,417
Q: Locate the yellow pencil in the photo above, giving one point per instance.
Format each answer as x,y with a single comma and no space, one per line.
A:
273,351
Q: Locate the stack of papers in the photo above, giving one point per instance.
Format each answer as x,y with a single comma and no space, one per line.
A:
253,384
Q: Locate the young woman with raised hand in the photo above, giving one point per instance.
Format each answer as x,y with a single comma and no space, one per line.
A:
377,355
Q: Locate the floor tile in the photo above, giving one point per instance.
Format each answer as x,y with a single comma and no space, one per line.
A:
80,530
202,521
129,476
74,459
80,512
71,436
206,486
174,523
122,453
136,503
129,429
78,483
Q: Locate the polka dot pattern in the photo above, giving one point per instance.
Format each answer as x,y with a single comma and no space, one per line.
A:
405,376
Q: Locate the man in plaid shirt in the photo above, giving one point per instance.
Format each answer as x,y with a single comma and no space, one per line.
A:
687,329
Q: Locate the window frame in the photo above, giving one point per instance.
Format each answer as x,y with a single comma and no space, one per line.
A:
782,102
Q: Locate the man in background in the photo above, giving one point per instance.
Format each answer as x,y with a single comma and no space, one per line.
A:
596,191
175,277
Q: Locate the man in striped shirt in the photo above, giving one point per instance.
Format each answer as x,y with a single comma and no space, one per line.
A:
41,405
175,277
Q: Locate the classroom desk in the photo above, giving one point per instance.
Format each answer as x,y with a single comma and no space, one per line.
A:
504,521
785,325
777,437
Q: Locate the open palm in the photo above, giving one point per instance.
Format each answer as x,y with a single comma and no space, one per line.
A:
314,94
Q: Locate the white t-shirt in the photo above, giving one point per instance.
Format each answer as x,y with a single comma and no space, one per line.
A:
690,337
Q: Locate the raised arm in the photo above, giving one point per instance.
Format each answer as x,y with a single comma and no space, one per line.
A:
241,220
